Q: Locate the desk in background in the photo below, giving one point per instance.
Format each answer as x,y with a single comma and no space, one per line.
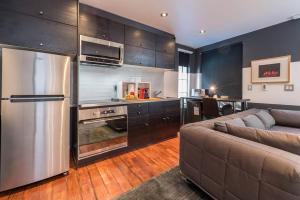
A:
188,117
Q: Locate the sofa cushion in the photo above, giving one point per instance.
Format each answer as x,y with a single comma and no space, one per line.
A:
253,121
266,118
221,125
242,132
282,140
286,129
286,117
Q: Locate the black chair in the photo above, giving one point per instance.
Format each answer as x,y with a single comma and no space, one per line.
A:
227,109
211,108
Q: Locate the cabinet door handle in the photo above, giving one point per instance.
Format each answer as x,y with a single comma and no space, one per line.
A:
41,12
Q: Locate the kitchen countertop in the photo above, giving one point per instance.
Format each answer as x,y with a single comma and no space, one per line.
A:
95,103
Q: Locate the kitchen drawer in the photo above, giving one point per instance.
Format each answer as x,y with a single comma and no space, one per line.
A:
139,56
139,109
139,38
35,33
64,11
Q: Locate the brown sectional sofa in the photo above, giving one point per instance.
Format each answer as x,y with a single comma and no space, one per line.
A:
233,168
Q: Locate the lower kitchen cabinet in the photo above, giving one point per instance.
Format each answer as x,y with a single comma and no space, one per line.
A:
138,131
162,121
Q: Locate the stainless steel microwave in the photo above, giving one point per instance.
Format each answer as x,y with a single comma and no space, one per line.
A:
101,52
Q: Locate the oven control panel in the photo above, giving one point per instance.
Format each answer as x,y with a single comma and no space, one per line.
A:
96,113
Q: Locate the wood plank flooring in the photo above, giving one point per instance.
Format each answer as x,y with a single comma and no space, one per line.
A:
105,179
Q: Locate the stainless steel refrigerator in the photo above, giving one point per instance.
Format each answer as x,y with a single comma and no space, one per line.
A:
35,104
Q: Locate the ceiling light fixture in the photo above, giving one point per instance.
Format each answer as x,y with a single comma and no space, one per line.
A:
164,14
202,31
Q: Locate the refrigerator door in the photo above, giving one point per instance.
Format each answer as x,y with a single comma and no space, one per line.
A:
34,140
34,73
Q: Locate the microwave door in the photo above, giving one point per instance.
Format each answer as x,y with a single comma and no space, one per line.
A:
100,50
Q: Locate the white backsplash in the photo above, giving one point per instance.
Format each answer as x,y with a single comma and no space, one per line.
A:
97,83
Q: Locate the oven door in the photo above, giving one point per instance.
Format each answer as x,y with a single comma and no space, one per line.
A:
102,135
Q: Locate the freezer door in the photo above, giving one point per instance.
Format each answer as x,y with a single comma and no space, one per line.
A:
34,140
34,73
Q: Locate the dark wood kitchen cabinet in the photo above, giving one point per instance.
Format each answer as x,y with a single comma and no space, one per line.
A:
36,33
64,11
138,125
152,122
165,52
164,119
100,27
139,38
165,44
164,60
139,56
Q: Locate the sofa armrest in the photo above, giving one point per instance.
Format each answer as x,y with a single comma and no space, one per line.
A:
229,167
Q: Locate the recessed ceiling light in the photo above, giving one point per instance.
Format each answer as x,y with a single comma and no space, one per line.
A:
202,31
164,14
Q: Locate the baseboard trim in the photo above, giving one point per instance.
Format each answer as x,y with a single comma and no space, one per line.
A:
274,106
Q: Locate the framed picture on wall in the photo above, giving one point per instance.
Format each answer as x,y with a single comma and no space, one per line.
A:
271,70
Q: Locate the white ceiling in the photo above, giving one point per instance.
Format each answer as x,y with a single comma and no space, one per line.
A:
222,19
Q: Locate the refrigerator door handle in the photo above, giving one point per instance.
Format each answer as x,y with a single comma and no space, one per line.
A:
34,98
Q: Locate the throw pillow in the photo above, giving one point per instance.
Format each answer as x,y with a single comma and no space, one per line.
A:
254,122
286,117
242,132
266,118
221,125
286,141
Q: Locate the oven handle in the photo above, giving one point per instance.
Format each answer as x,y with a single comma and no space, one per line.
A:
102,120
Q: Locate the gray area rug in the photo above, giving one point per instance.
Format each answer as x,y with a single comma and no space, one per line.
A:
168,186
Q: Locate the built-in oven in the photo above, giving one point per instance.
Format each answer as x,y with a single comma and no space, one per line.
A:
101,130
100,52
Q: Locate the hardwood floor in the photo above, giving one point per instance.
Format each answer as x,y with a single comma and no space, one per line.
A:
104,179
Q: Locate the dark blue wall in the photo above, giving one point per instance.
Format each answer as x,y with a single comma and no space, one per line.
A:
278,40
222,68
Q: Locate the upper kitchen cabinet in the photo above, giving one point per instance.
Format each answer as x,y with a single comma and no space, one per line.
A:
165,52
36,33
164,60
63,11
165,44
139,56
139,38
99,27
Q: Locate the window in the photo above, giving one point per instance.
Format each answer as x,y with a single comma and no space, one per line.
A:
183,81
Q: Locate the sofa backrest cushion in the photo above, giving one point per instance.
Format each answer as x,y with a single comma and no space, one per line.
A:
221,125
286,117
253,121
282,140
266,118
